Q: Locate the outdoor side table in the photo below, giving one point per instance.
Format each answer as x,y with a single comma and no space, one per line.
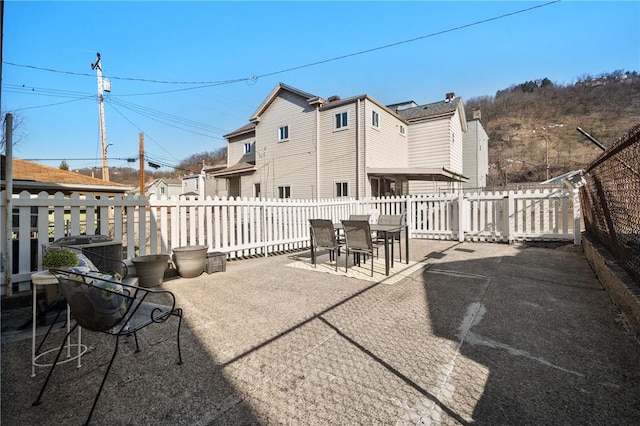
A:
44,278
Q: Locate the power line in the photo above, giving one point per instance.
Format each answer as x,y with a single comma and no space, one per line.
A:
155,118
362,52
54,104
204,84
143,110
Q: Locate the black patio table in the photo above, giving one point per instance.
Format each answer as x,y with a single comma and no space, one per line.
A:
386,230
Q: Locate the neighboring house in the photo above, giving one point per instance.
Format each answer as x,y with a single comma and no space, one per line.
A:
214,187
192,184
436,132
164,186
34,178
475,155
298,145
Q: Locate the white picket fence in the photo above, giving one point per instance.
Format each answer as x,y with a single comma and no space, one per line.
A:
254,227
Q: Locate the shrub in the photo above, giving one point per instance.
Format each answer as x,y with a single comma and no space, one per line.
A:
57,258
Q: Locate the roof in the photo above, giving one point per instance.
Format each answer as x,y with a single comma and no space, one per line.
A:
237,168
429,110
340,102
247,128
29,175
419,173
274,94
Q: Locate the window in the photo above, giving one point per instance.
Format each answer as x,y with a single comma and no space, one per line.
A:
247,148
283,133
162,190
375,119
284,191
342,120
342,189
256,190
401,129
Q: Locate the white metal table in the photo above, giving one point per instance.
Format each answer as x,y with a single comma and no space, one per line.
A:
44,278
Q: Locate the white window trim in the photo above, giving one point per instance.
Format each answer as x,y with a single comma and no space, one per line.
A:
335,189
284,186
375,126
280,132
341,128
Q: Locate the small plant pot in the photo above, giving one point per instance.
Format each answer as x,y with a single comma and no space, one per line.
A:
150,269
190,260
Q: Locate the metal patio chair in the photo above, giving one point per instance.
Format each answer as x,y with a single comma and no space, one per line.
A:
101,304
323,236
358,240
392,219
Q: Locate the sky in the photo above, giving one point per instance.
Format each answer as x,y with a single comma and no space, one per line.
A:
186,73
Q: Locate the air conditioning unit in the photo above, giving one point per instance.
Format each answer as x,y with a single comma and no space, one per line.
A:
103,251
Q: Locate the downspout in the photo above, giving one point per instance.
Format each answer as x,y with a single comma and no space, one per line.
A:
317,157
364,149
357,150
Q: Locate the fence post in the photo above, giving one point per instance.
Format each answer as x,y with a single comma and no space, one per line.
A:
509,211
409,215
462,210
577,216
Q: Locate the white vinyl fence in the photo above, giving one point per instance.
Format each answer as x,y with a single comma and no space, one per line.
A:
257,227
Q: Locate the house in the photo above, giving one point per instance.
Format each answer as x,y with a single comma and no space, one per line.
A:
35,178
192,185
299,145
475,164
214,187
160,186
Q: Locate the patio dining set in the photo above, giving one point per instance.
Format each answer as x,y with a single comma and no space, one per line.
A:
359,237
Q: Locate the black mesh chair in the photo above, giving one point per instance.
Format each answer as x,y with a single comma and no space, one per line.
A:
323,236
392,219
358,240
101,304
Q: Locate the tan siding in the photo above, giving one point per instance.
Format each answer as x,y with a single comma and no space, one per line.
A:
386,147
235,152
429,144
476,156
455,158
291,162
470,156
337,151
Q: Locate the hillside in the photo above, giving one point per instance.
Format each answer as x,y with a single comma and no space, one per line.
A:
525,120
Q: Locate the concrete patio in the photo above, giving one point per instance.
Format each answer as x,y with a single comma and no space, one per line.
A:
474,333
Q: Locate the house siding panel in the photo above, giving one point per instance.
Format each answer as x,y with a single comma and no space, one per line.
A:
235,150
290,162
386,147
337,151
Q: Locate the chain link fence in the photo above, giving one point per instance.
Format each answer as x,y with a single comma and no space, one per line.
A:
611,201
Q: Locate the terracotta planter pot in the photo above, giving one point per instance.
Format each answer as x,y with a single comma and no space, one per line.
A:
150,269
190,260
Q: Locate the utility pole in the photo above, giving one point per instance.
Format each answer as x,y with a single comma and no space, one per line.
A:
141,149
103,131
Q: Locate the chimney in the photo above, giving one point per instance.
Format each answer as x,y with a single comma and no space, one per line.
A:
449,97
476,114
333,98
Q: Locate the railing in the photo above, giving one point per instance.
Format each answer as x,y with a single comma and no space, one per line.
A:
257,227
611,197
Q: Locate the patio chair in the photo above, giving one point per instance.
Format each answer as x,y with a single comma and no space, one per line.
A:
100,303
360,217
392,220
323,236
358,239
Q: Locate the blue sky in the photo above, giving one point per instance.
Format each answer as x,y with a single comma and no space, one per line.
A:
214,42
